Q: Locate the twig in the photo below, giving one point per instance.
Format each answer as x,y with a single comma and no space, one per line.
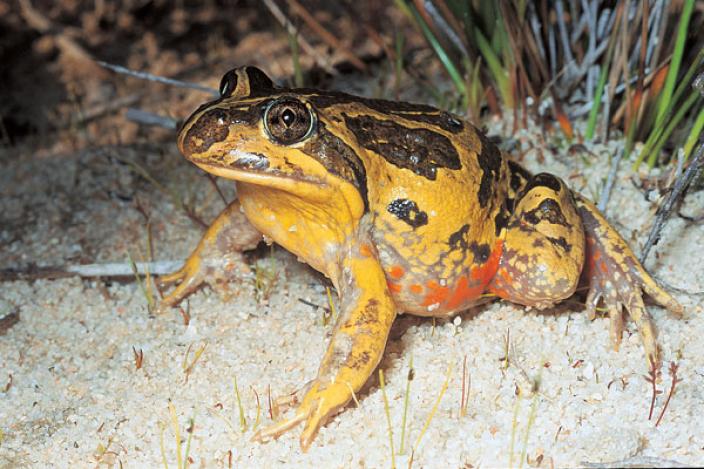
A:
652,378
636,461
148,118
325,35
675,380
103,108
9,320
610,180
214,182
151,77
665,210
276,12
116,269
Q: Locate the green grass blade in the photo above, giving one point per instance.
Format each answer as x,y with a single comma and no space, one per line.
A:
665,97
496,68
599,93
694,134
452,70
671,125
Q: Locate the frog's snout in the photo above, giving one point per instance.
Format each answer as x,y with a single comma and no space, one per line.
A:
202,130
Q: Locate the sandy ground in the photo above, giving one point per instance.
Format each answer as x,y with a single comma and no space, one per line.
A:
71,396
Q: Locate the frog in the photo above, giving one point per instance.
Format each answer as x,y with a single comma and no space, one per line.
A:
406,209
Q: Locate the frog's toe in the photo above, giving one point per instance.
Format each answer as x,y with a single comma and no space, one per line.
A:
187,279
197,272
319,404
617,290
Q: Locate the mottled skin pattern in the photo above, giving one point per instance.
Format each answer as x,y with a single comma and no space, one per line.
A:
406,209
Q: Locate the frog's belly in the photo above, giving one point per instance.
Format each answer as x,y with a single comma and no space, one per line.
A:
439,288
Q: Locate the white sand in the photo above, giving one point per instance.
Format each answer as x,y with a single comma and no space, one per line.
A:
76,399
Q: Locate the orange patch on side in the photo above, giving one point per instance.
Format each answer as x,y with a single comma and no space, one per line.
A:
417,289
437,293
394,287
396,272
602,267
466,290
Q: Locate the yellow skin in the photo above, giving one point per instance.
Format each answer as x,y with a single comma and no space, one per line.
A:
406,209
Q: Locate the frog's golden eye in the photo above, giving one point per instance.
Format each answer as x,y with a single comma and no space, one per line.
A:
228,84
288,121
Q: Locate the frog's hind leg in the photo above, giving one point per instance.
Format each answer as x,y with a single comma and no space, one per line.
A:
616,278
357,344
217,257
543,248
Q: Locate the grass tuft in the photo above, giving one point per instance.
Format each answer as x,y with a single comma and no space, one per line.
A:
388,418
406,397
434,409
243,418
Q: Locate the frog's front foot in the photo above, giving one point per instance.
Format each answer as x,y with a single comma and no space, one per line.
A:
217,258
357,344
199,270
319,404
617,280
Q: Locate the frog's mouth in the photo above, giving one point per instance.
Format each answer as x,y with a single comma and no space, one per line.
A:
254,168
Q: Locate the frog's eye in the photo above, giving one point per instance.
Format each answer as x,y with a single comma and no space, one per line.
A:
288,121
228,84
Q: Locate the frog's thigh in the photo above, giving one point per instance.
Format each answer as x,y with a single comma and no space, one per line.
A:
359,338
543,247
218,255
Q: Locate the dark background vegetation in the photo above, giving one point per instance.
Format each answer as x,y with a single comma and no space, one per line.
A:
625,67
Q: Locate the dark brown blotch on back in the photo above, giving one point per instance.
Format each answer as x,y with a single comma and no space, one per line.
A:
519,176
489,160
407,210
548,210
561,242
338,158
459,240
545,180
419,150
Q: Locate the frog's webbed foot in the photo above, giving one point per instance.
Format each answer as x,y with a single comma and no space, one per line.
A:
359,338
617,280
217,258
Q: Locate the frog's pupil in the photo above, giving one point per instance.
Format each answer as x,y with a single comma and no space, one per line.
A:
287,117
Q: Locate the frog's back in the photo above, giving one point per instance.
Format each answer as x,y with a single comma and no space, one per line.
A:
435,188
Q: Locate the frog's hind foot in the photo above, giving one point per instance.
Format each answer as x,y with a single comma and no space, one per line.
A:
617,280
217,258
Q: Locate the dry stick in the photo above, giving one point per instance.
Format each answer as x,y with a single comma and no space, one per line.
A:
149,118
325,35
652,378
610,181
665,210
675,380
151,77
114,269
276,12
635,461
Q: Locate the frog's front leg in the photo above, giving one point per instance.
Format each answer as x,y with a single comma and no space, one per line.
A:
543,247
616,277
357,344
218,255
